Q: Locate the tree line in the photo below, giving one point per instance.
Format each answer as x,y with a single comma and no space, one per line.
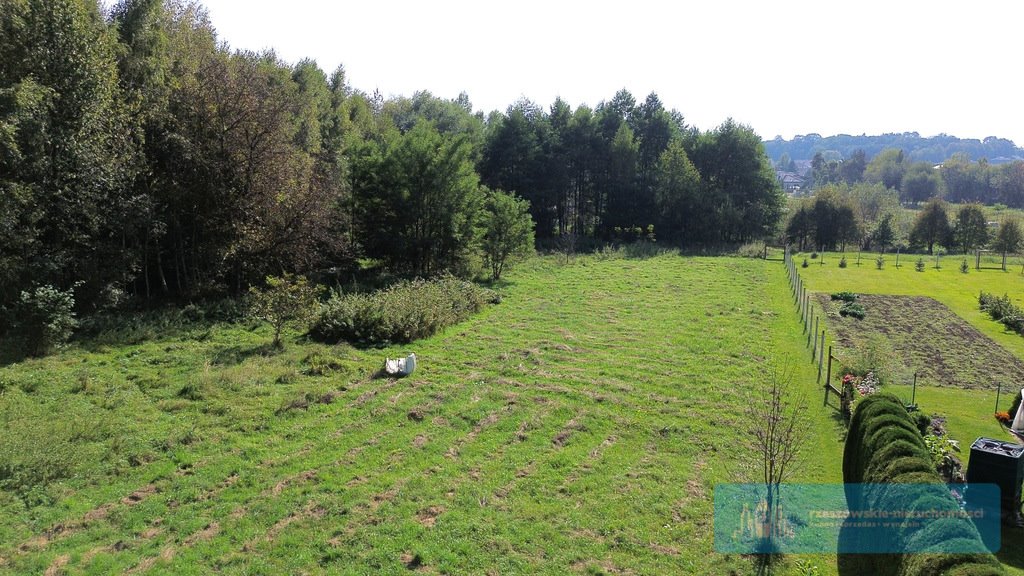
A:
870,217
862,201
933,149
140,157
626,166
957,179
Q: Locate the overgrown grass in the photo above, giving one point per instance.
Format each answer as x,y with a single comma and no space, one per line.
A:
401,313
579,427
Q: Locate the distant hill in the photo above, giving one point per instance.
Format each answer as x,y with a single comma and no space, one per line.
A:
935,149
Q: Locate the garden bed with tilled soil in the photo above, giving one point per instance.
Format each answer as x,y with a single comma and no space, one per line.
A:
933,341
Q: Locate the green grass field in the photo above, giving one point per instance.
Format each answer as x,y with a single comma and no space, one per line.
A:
578,427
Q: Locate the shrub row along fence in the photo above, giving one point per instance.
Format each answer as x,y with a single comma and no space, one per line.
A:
814,328
1002,310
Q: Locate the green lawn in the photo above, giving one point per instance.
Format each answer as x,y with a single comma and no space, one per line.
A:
580,426
968,412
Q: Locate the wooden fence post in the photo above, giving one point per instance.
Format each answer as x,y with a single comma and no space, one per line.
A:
814,350
809,328
828,373
821,357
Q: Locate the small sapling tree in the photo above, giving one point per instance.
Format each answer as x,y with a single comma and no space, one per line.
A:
285,299
1008,239
777,424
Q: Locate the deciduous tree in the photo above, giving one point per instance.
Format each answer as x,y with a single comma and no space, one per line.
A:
677,194
1009,238
284,300
508,231
931,226
920,182
886,168
66,152
970,229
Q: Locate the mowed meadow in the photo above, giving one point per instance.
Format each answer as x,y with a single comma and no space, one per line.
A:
579,426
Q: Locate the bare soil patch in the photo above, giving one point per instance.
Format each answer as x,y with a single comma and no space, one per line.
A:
933,341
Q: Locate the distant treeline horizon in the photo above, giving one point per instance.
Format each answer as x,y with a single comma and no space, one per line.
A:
917,148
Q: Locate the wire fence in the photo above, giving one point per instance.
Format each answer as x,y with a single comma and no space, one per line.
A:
817,338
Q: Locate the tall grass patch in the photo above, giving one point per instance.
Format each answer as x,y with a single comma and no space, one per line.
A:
406,311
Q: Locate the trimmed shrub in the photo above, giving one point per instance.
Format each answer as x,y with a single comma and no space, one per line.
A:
977,569
900,466
886,422
952,565
884,445
404,312
899,448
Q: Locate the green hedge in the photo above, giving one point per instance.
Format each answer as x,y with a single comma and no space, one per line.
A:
1001,309
884,446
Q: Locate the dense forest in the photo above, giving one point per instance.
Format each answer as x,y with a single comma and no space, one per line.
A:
935,149
143,159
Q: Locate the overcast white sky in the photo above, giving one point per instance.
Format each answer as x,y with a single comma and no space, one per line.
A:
784,68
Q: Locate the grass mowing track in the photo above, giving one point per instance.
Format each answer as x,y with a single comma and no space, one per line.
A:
580,426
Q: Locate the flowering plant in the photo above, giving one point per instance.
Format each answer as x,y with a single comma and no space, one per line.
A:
868,384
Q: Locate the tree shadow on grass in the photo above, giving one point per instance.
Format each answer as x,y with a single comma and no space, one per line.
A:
11,351
850,563
501,284
765,564
234,355
839,421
